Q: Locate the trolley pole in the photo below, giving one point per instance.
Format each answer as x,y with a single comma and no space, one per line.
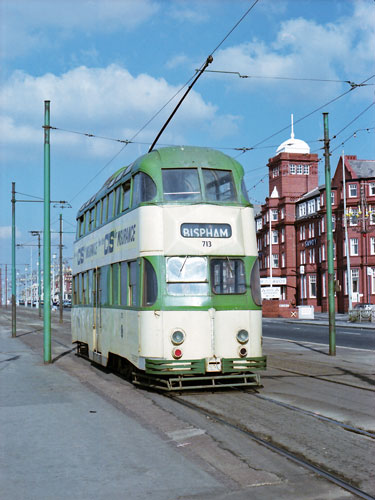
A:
13,259
61,273
331,276
47,237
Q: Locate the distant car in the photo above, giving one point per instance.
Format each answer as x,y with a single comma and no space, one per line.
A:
364,307
67,303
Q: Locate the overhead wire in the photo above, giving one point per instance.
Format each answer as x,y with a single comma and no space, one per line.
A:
303,117
166,104
352,84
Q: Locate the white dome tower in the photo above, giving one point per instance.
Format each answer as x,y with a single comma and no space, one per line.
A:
293,145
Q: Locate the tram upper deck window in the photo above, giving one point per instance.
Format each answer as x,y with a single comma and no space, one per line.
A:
228,276
91,215
125,196
187,276
144,188
219,185
110,205
181,184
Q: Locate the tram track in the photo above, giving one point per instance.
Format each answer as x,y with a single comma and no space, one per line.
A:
324,379
277,448
332,421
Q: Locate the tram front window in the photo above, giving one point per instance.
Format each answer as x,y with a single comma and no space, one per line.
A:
219,185
181,184
228,276
187,276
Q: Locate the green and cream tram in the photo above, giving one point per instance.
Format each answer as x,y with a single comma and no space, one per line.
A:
166,279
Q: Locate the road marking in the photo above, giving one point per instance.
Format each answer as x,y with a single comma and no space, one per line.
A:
183,434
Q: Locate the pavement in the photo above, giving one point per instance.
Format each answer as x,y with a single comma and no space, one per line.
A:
67,432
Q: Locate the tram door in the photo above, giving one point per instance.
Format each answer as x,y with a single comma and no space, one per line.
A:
97,313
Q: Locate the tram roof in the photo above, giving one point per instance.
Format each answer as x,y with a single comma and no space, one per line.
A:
169,157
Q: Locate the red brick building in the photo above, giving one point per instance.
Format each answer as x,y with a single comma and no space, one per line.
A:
296,236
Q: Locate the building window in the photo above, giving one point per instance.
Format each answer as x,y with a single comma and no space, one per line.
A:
353,246
353,216
312,256
324,293
292,169
282,235
299,169
306,169
283,260
323,252
372,189
355,281
275,172
274,214
371,212
283,213
317,204
333,222
353,190
302,209
302,233
302,257
372,246
303,287
332,198
322,224
312,282
275,237
275,260
259,224
311,206
311,230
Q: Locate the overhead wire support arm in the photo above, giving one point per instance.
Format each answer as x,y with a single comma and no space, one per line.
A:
201,71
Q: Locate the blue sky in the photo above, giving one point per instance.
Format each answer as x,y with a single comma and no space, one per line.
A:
108,67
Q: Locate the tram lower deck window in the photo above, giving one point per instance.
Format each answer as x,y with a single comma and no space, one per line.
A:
228,276
187,276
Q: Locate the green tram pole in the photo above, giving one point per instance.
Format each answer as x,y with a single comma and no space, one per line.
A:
47,237
14,329
331,276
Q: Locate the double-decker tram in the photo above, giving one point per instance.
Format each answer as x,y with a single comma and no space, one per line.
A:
166,280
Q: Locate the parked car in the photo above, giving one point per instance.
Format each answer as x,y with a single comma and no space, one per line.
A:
67,303
364,306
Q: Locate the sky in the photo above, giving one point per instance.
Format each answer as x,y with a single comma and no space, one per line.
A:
115,69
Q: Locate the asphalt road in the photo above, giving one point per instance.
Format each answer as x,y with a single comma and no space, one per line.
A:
358,338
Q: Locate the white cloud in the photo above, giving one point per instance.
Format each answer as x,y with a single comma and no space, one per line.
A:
179,60
26,23
190,11
305,49
6,232
109,102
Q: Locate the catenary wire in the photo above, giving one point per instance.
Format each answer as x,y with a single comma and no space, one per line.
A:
180,90
305,116
352,84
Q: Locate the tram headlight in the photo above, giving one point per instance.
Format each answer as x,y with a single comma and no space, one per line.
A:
242,336
177,337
